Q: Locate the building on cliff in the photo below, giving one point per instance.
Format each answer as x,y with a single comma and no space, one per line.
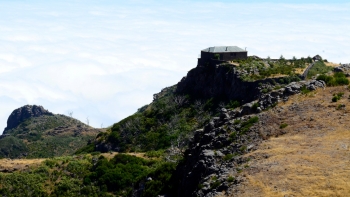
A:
220,54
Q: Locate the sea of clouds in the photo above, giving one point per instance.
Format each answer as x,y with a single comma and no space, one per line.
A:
103,60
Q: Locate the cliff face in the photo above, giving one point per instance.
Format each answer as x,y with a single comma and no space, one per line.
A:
217,81
223,82
23,113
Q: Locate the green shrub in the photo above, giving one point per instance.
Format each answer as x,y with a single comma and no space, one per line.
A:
265,90
335,80
233,104
228,157
233,136
337,96
255,106
283,125
340,94
243,148
230,179
215,184
163,180
157,154
335,99
342,81
304,90
339,107
245,126
237,122
50,163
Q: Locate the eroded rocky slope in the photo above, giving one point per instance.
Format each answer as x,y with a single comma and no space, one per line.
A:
216,154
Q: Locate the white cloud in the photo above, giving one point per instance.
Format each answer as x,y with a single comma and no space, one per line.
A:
104,60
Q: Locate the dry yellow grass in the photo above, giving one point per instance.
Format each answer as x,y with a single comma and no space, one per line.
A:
300,70
18,164
311,161
304,165
331,64
112,154
10,165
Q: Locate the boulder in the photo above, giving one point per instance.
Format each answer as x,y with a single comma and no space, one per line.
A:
345,68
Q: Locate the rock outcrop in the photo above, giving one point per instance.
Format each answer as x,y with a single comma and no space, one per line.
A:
217,81
269,99
214,158
23,113
216,153
345,68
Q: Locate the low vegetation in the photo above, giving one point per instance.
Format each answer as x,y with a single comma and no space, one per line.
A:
283,125
87,175
319,68
161,131
261,69
46,136
337,96
167,122
335,80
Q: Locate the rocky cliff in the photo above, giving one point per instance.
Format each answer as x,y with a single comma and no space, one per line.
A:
225,82
218,81
216,153
23,113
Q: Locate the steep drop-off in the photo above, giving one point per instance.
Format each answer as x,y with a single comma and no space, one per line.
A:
219,81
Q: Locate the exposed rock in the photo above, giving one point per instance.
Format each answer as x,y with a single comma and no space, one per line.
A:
220,81
214,152
345,68
269,99
214,155
23,113
317,58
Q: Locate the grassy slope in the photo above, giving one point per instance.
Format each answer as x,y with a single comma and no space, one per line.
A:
169,120
312,158
46,136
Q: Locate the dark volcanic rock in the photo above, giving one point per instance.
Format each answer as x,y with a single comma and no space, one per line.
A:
345,68
215,153
219,81
23,113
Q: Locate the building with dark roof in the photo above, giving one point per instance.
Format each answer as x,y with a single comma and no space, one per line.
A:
222,53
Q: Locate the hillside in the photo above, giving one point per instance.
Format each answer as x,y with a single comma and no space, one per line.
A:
169,121
33,132
311,159
223,130
282,151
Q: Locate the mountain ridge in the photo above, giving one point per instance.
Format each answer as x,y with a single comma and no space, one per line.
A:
198,140
33,131
23,113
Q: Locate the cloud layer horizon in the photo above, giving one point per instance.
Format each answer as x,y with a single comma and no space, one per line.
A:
104,60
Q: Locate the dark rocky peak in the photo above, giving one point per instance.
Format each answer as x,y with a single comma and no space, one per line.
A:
23,113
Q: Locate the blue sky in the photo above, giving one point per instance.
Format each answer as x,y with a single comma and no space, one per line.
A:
105,59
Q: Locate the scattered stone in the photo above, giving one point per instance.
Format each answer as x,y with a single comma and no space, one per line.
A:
345,68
